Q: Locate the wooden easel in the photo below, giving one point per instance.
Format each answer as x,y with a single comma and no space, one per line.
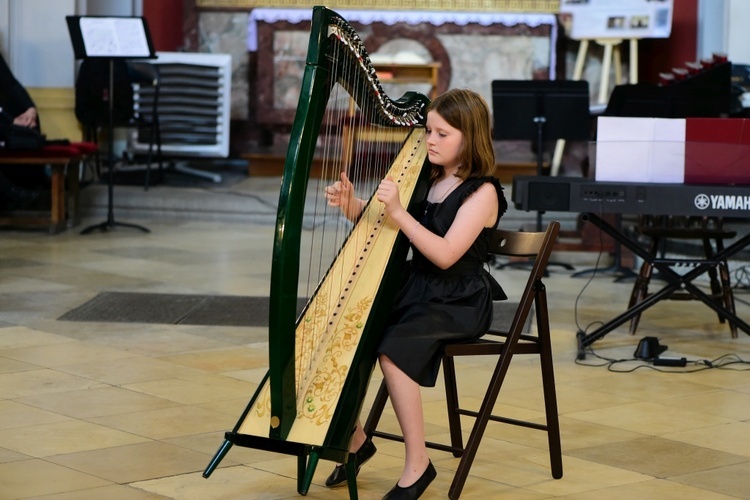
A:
611,56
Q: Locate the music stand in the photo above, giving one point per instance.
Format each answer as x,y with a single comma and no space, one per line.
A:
110,38
540,110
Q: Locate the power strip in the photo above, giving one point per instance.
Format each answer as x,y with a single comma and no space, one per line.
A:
670,361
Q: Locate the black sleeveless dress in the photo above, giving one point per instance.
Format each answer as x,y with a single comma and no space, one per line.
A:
435,306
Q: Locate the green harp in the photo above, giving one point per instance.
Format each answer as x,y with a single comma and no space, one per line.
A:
332,280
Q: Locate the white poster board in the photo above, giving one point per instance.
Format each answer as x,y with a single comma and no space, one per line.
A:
592,19
632,149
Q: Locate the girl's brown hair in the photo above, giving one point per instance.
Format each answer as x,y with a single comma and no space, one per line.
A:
468,112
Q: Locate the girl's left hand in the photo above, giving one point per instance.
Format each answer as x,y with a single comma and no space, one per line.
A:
388,195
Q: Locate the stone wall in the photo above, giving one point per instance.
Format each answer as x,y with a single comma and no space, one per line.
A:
265,84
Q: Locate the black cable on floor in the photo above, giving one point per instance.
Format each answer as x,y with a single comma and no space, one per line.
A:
721,363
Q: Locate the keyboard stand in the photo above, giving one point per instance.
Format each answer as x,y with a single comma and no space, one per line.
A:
675,282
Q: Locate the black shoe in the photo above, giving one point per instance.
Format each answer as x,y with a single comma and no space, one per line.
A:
363,454
415,490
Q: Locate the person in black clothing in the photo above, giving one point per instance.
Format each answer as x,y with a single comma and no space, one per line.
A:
17,108
15,100
448,292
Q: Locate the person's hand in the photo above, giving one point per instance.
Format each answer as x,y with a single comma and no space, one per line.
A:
341,194
27,118
388,195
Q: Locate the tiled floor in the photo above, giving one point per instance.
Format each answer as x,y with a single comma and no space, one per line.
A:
136,411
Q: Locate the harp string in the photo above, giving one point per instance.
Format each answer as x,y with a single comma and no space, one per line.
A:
314,389
324,231
365,162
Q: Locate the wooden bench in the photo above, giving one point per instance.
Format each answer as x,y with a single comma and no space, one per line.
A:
62,160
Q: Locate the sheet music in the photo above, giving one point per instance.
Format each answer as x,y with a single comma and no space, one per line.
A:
114,37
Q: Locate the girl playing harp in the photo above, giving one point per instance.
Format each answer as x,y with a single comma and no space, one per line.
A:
447,294
322,356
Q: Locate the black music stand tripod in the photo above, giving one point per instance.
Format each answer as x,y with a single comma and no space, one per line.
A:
540,110
110,38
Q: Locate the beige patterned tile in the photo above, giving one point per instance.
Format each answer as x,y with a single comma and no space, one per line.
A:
232,407
97,402
234,482
188,392
18,284
168,422
733,437
579,434
7,455
662,489
36,478
726,378
569,400
731,480
729,404
254,376
12,366
649,418
209,444
144,461
114,492
13,337
222,360
657,457
129,370
14,414
70,436
642,386
44,381
148,340
530,470
64,353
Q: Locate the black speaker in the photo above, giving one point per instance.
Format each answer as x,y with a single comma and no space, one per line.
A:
92,93
552,196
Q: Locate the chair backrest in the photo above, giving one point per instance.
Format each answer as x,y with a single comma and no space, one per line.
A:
536,245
